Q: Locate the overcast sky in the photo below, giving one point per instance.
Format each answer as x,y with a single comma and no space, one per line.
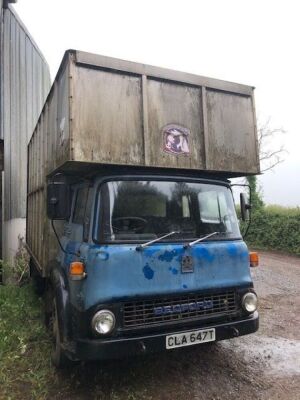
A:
252,42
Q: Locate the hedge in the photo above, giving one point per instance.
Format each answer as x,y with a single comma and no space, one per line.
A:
276,228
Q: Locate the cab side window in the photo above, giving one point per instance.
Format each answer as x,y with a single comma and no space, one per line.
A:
82,210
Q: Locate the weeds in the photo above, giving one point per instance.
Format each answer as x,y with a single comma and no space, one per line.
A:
25,370
16,272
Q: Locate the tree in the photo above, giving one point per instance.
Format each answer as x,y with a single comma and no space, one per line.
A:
268,156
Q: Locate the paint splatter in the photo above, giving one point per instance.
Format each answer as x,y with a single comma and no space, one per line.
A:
167,256
173,270
184,286
149,252
148,272
203,252
232,249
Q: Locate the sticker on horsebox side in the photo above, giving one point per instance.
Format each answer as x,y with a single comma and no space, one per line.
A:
190,338
176,139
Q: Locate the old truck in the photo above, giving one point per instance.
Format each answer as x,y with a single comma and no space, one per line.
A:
131,224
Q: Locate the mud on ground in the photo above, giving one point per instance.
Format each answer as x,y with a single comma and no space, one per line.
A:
265,365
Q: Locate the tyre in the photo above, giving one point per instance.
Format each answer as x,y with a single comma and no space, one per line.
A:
58,357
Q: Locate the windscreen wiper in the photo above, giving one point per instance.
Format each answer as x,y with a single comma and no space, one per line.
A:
141,246
201,239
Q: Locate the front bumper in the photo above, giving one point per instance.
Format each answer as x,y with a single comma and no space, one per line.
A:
104,349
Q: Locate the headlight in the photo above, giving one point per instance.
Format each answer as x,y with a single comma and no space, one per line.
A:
249,302
103,322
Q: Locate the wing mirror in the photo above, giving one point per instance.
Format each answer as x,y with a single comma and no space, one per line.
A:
58,199
245,207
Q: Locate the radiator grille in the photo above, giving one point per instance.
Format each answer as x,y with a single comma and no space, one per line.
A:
159,311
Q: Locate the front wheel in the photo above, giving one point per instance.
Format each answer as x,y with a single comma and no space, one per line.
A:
58,357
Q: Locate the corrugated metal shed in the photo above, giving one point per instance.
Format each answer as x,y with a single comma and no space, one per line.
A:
25,82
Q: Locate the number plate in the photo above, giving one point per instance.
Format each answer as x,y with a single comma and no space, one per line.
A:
190,338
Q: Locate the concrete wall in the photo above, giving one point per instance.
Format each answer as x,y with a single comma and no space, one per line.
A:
25,83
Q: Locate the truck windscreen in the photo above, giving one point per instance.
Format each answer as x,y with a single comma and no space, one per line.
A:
144,210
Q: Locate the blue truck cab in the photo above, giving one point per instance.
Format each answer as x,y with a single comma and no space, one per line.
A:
148,263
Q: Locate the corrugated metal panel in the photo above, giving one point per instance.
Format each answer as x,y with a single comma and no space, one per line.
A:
25,84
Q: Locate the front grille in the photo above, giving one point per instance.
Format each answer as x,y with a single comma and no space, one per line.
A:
180,308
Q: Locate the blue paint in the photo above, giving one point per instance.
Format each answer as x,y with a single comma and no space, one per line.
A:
232,249
245,255
173,270
126,273
204,253
72,246
167,256
149,252
148,272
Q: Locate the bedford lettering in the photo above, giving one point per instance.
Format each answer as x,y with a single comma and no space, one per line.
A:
181,308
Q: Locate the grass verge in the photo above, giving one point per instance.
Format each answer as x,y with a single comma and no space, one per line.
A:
25,369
